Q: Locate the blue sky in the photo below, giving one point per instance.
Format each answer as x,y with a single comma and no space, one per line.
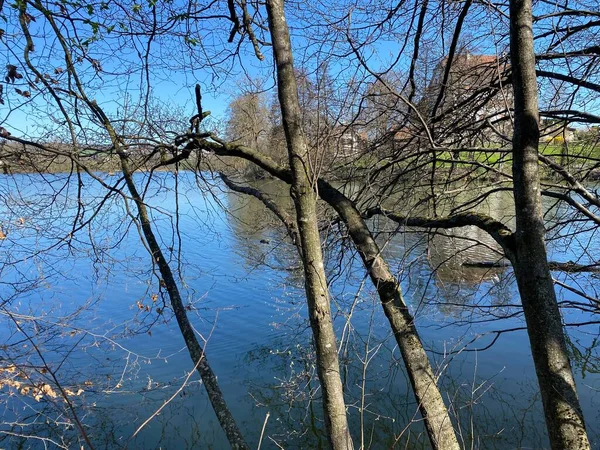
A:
198,52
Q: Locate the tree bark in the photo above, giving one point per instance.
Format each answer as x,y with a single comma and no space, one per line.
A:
435,414
420,373
564,418
303,185
424,383
209,379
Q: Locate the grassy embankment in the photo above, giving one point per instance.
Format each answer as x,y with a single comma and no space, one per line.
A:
575,157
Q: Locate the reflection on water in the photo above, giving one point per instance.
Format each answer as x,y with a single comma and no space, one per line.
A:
97,315
455,255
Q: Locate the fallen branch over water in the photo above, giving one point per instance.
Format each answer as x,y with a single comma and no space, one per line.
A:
568,266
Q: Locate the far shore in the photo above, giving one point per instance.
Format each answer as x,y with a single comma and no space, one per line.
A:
358,169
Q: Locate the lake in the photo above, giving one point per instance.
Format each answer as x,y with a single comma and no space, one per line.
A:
81,306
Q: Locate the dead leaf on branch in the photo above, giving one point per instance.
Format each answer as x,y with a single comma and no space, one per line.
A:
11,368
25,94
71,393
42,390
12,74
37,391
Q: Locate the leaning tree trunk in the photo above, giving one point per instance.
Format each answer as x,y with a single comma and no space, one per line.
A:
423,380
564,418
209,379
420,373
303,185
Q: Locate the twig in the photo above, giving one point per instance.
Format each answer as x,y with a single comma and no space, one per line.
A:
263,430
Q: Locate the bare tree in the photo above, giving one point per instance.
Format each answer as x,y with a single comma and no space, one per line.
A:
303,184
120,141
564,418
439,126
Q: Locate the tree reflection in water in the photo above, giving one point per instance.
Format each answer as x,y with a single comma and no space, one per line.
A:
255,322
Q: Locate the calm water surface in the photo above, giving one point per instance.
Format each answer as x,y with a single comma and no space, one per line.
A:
94,310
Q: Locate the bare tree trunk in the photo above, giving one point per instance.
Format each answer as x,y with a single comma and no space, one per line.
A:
305,200
564,418
195,350
209,379
424,382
